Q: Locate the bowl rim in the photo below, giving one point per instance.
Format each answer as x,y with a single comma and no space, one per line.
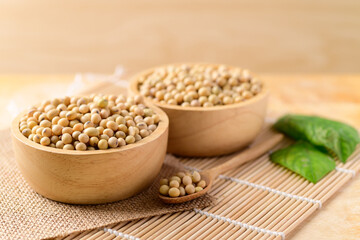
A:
134,89
162,127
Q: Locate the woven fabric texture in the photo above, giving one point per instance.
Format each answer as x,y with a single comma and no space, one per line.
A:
27,215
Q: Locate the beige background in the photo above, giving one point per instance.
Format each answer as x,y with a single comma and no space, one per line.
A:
67,36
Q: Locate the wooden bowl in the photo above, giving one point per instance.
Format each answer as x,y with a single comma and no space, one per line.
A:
206,132
91,177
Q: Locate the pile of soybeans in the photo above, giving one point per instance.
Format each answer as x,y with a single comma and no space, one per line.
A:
89,123
199,85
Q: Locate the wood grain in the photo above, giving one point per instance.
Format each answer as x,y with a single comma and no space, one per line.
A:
279,36
68,176
334,96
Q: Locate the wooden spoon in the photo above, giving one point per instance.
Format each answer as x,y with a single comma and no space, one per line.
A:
242,157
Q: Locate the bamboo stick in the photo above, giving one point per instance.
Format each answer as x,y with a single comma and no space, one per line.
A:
80,236
71,236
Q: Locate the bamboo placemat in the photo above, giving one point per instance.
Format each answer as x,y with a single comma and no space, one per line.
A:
259,200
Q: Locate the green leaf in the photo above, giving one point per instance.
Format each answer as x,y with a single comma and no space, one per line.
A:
304,159
326,134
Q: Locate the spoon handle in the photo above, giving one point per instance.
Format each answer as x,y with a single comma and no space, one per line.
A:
247,155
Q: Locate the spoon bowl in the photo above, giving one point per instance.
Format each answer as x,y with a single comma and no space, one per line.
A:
204,176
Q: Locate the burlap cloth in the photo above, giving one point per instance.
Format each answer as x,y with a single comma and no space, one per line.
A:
24,214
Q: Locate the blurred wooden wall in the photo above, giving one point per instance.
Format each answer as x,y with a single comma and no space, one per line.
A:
70,36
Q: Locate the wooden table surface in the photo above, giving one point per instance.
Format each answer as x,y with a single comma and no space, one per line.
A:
333,96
